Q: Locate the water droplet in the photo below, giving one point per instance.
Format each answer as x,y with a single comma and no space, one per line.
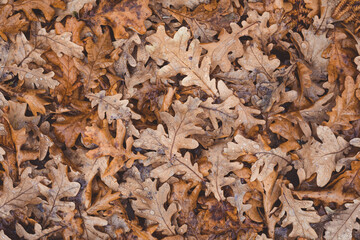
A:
152,212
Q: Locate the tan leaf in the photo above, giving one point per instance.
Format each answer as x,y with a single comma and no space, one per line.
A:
109,146
39,231
150,202
343,222
346,108
180,127
45,6
10,26
320,157
103,203
221,167
60,44
34,78
19,197
254,59
299,214
267,159
111,107
60,189
182,59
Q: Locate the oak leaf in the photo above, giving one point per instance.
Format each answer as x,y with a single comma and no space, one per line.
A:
221,167
45,6
149,204
19,197
320,157
90,230
255,60
167,145
109,146
127,13
346,108
182,59
227,49
39,231
179,3
343,222
267,159
56,194
298,213
60,44
10,25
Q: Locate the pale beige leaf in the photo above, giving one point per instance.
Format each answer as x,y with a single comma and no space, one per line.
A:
111,107
320,157
299,214
60,44
18,198
60,188
267,159
39,232
343,222
34,78
150,205
3,236
90,232
182,59
221,167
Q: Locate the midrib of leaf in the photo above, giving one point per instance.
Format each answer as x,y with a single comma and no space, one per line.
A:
220,111
262,66
172,146
162,217
93,67
191,70
295,212
14,198
216,178
344,222
53,205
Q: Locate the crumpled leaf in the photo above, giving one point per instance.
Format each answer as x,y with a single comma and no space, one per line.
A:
299,214
182,59
10,26
149,204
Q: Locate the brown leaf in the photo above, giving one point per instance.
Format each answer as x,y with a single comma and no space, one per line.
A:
10,25
126,14
109,146
346,108
44,5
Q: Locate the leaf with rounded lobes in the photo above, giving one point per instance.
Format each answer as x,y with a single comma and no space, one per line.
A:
182,59
149,204
221,167
267,159
343,222
112,106
19,197
347,106
109,146
60,189
320,157
180,127
39,232
299,214
127,13
60,44
44,5
10,26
